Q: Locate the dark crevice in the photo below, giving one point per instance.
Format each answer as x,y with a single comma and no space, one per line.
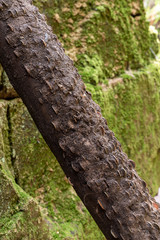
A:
127,65
11,143
9,130
134,15
7,94
10,98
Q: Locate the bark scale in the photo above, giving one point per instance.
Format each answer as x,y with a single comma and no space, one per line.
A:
73,127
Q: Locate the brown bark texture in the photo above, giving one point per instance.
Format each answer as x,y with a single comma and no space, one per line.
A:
73,127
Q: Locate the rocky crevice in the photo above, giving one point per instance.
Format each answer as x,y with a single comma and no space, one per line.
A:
8,93
12,151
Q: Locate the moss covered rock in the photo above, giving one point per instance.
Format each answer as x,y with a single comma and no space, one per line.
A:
114,33
20,215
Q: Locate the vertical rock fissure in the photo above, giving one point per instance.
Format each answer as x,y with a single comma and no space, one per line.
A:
1,80
12,157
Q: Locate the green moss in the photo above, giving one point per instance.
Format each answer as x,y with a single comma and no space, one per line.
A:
25,224
154,47
115,31
20,216
91,69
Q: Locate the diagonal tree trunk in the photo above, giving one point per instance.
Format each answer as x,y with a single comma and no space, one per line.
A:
73,127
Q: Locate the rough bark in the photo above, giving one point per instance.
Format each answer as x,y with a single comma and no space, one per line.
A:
73,127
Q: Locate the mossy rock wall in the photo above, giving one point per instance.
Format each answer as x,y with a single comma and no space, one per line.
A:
104,38
20,216
112,49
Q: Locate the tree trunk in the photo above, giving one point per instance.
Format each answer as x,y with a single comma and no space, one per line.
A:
73,127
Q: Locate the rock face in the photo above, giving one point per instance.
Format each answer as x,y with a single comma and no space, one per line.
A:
20,215
104,38
112,47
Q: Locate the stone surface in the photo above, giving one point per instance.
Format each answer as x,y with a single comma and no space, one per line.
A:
20,216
